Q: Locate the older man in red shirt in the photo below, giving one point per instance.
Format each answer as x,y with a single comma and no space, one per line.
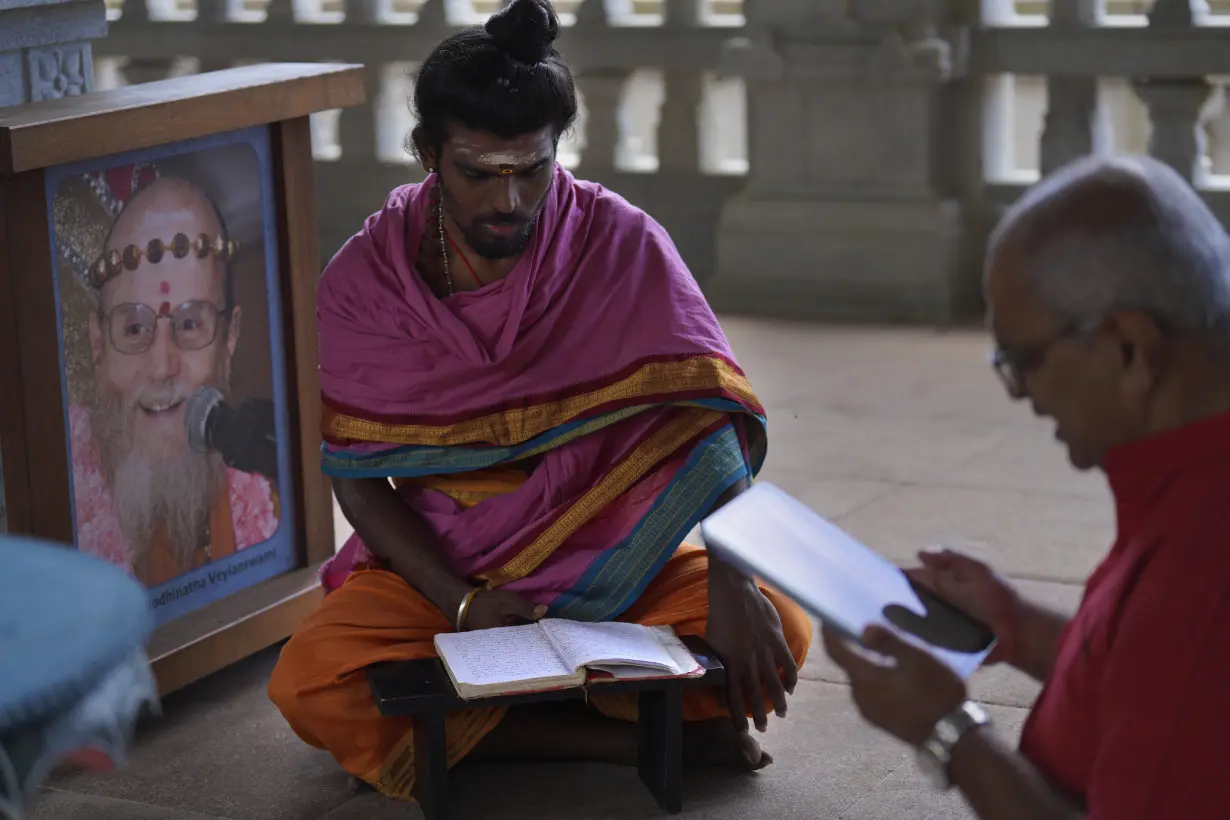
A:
1109,293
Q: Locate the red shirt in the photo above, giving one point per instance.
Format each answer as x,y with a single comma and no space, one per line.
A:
1135,718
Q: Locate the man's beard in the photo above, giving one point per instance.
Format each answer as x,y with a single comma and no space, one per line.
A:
152,490
503,247
500,247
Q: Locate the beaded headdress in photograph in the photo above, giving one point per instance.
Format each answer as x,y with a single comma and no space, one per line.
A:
84,210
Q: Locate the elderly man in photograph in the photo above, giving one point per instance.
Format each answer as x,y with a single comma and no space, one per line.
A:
528,359
163,323
1109,295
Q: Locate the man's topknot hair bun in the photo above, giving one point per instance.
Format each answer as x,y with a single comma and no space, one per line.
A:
505,78
525,29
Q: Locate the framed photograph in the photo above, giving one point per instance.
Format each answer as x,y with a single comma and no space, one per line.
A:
159,297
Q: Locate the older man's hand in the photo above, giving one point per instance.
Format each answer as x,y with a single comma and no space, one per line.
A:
977,590
907,693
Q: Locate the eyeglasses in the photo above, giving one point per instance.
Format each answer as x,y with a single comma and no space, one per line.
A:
132,327
1013,364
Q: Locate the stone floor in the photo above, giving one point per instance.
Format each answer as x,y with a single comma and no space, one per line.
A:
903,436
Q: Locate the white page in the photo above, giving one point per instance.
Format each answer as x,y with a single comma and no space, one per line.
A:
820,566
502,655
684,660
610,642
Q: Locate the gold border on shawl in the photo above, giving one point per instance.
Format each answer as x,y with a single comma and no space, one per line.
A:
664,442
516,426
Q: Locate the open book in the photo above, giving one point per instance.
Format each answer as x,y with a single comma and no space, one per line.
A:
559,654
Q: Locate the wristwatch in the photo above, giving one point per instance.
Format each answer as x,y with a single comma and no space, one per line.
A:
935,755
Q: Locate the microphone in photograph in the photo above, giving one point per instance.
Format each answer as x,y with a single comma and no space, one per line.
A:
246,437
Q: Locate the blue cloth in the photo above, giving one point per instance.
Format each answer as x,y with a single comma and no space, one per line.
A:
67,620
73,672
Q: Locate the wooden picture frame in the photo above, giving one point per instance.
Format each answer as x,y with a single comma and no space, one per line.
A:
78,416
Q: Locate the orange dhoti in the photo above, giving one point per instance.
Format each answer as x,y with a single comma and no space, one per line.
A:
321,688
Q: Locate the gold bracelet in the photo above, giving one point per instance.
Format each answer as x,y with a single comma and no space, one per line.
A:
464,609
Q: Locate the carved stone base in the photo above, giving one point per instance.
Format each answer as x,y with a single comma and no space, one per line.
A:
846,260
45,49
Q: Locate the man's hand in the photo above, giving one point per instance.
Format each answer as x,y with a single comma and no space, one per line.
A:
975,588
490,608
908,694
745,632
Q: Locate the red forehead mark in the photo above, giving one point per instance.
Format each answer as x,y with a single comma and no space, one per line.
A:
164,288
164,309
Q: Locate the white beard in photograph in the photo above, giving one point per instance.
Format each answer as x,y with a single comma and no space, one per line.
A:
155,481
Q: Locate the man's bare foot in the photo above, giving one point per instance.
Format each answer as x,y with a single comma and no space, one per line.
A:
718,743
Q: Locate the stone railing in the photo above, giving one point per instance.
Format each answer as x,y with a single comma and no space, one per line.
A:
657,124
665,122
1135,77
885,139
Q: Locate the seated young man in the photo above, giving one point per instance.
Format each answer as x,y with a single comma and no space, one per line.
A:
528,359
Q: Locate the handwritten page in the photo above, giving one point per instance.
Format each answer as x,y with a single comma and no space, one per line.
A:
611,643
684,660
502,655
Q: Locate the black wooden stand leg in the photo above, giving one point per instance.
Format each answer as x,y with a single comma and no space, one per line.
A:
661,746
431,765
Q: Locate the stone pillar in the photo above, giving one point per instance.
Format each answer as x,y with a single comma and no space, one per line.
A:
852,205
45,54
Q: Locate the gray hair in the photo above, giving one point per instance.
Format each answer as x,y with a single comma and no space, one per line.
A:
1122,232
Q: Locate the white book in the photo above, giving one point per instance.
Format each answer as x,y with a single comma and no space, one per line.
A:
558,654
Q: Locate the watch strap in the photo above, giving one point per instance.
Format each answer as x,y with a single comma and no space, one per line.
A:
937,749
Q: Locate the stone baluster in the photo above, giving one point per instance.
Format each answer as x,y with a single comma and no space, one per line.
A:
603,93
362,12
1176,105
591,16
1076,122
679,123
433,19
356,128
134,11
1178,137
679,120
213,11
683,14
280,12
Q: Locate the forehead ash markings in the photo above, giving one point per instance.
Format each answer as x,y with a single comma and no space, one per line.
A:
507,156
510,158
